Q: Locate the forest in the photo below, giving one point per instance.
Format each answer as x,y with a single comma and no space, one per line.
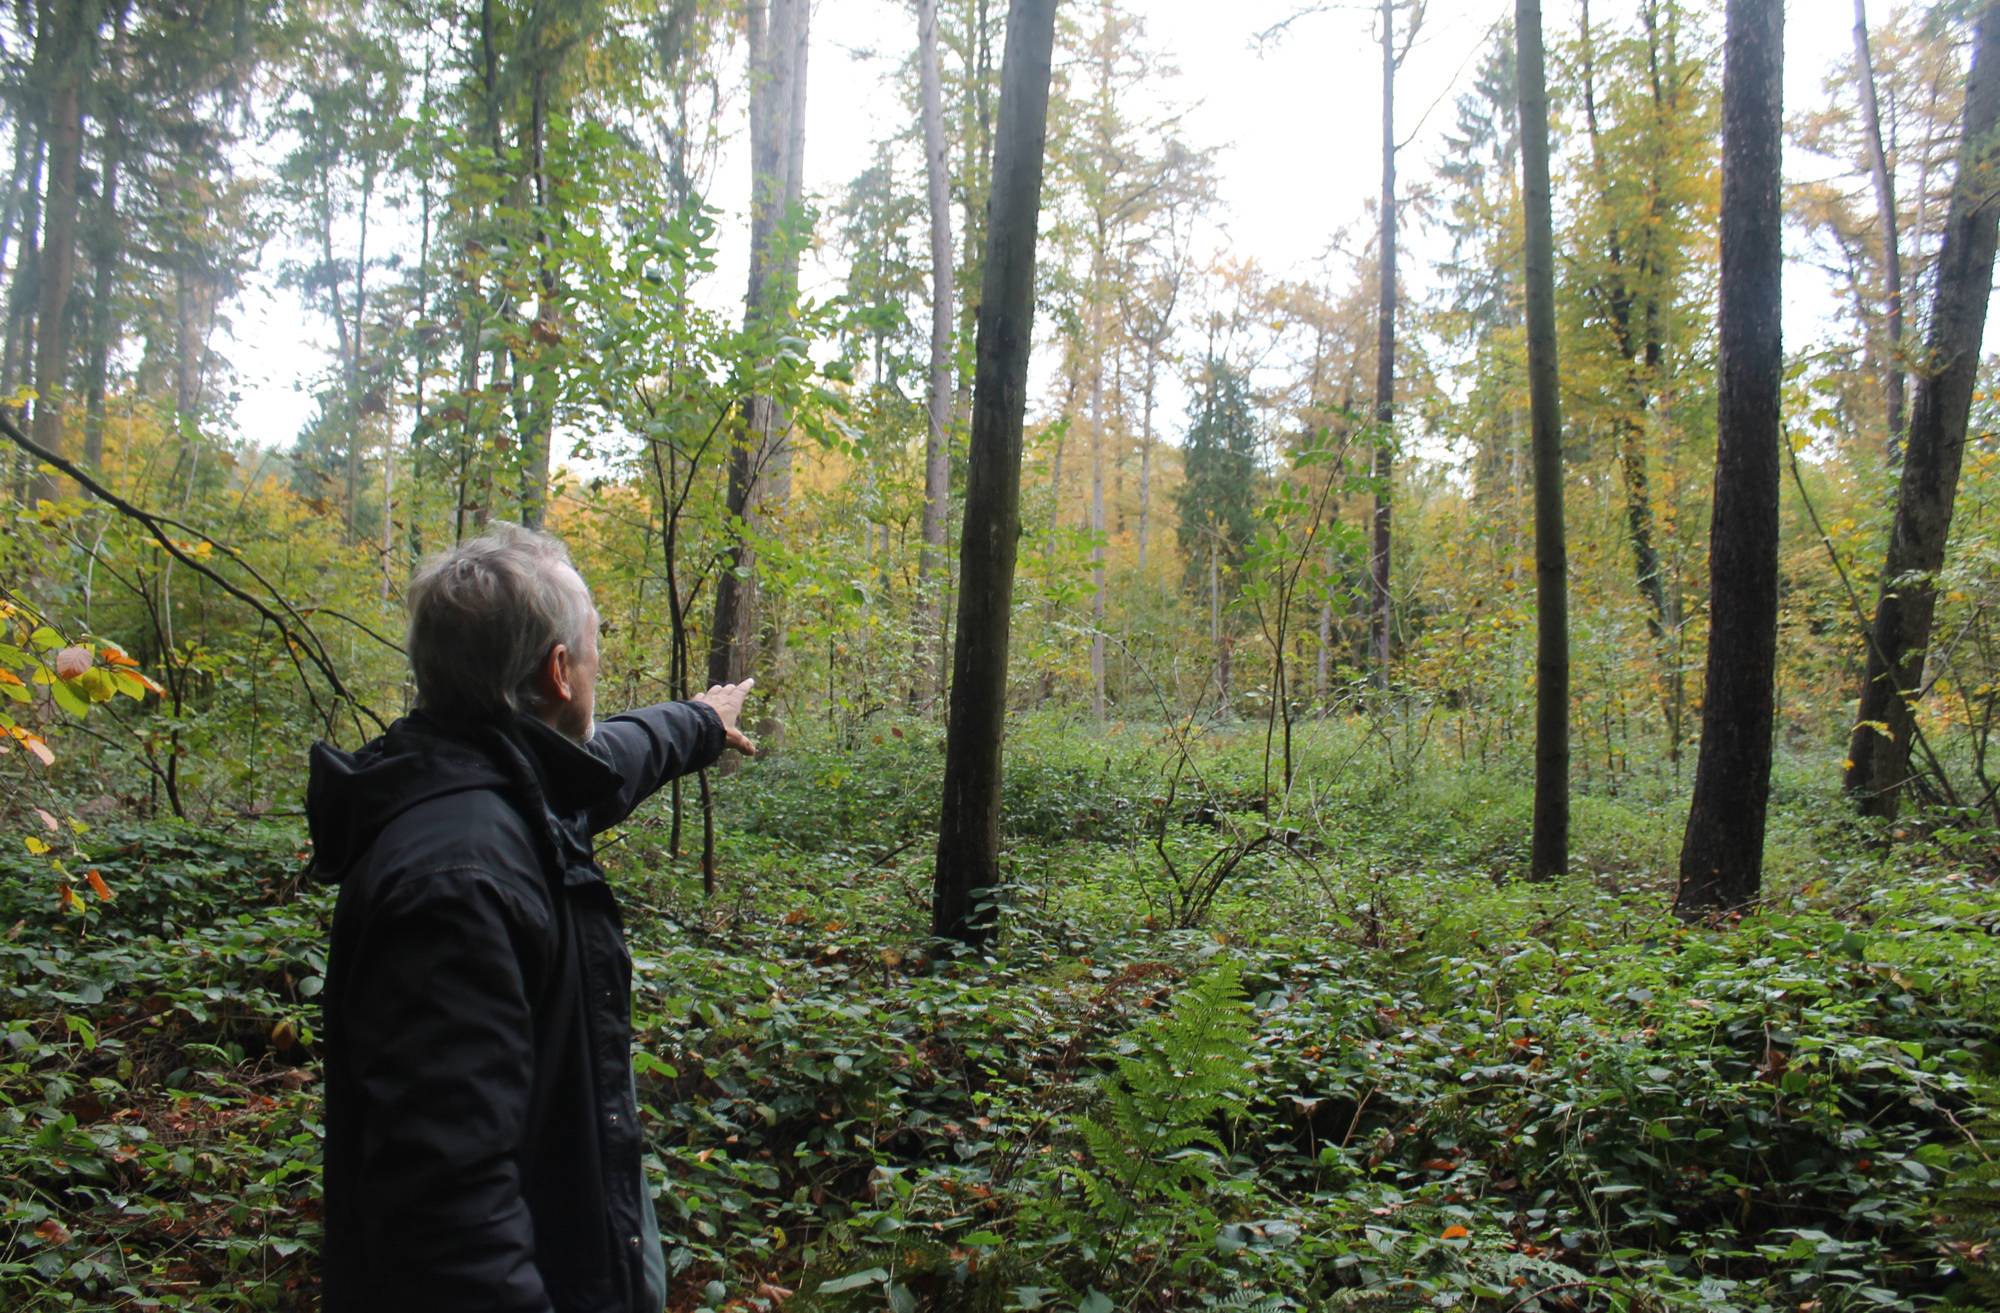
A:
1417,729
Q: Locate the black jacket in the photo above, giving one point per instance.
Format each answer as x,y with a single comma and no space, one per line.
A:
482,1141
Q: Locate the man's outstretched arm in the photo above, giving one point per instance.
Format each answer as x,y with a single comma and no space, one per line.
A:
655,744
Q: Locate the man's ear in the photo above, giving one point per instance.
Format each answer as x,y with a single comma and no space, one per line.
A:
558,686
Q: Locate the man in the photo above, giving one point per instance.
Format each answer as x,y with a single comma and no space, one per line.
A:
482,1137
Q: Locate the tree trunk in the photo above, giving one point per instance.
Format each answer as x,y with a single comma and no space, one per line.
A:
937,445
1097,480
1216,642
538,433
1146,452
1385,360
354,390
67,29
104,252
1722,855
968,858
1550,847
1879,753
759,472
1893,376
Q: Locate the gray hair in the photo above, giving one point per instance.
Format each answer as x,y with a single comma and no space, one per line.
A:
484,617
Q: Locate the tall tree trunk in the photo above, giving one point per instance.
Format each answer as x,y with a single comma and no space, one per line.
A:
759,474
1722,855
1097,480
968,856
1146,452
1385,360
1893,374
1879,754
937,443
538,433
68,28
1550,848
355,400
104,250
104,254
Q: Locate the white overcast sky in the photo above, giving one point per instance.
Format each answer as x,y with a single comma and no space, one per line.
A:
1295,122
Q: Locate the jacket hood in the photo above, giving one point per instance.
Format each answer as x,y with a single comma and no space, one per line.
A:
352,796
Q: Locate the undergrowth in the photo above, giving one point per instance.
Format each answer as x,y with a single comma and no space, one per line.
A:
1373,1073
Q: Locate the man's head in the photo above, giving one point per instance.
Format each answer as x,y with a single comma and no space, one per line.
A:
503,623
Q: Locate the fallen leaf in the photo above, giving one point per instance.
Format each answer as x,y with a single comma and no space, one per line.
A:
98,887
52,1232
1454,1233
48,821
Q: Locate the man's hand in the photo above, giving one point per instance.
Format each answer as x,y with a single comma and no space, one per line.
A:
727,699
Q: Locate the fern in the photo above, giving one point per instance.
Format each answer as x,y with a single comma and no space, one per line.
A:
1154,1140
1380,1299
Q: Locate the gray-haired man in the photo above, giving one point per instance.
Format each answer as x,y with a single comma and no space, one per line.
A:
482,1137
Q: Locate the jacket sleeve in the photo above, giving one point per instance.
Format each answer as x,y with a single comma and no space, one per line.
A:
650,746
441,1041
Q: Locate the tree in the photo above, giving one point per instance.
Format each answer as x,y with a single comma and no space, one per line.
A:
1550,849
1884,184
1722,854
759,467
64,42
1878,756
1218,500
968,856
937,441
1385,359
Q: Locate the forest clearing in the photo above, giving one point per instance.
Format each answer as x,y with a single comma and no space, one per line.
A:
1420,737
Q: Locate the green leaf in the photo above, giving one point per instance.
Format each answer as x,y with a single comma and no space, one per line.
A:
873,1276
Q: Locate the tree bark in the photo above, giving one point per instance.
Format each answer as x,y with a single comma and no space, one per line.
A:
104,253
759,474
1550,847
1893,375
1385,361
1722,855
1097,479
1879,753
937,445
968,856
67,29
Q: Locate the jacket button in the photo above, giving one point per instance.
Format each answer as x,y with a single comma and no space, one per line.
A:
614,1119
634,1241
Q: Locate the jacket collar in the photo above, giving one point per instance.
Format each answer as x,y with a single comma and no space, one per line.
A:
571,776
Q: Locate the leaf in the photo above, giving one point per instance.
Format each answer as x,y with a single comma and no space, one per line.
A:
52,1232
1454,1233
69,699
35,745
49,822
35,845
98,887
1096,1302
853,1281
73,661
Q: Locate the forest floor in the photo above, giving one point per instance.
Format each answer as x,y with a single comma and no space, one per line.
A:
1360,1069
